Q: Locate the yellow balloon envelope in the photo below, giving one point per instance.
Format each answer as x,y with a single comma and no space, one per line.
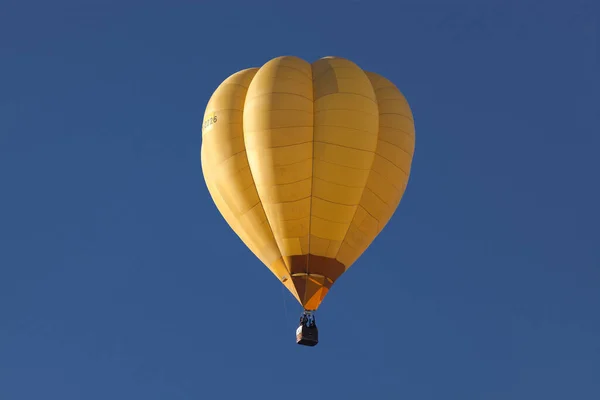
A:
307,163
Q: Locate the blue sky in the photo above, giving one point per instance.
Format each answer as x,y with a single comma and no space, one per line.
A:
115,267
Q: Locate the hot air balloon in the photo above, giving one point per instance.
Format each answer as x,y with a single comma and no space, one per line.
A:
307,163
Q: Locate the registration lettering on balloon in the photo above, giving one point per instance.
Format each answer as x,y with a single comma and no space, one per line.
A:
209,122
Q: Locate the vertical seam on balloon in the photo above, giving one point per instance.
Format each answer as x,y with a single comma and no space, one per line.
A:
370,169
312,184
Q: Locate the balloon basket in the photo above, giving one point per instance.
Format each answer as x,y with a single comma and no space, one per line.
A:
307,333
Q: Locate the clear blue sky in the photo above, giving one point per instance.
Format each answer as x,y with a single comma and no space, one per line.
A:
115,278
